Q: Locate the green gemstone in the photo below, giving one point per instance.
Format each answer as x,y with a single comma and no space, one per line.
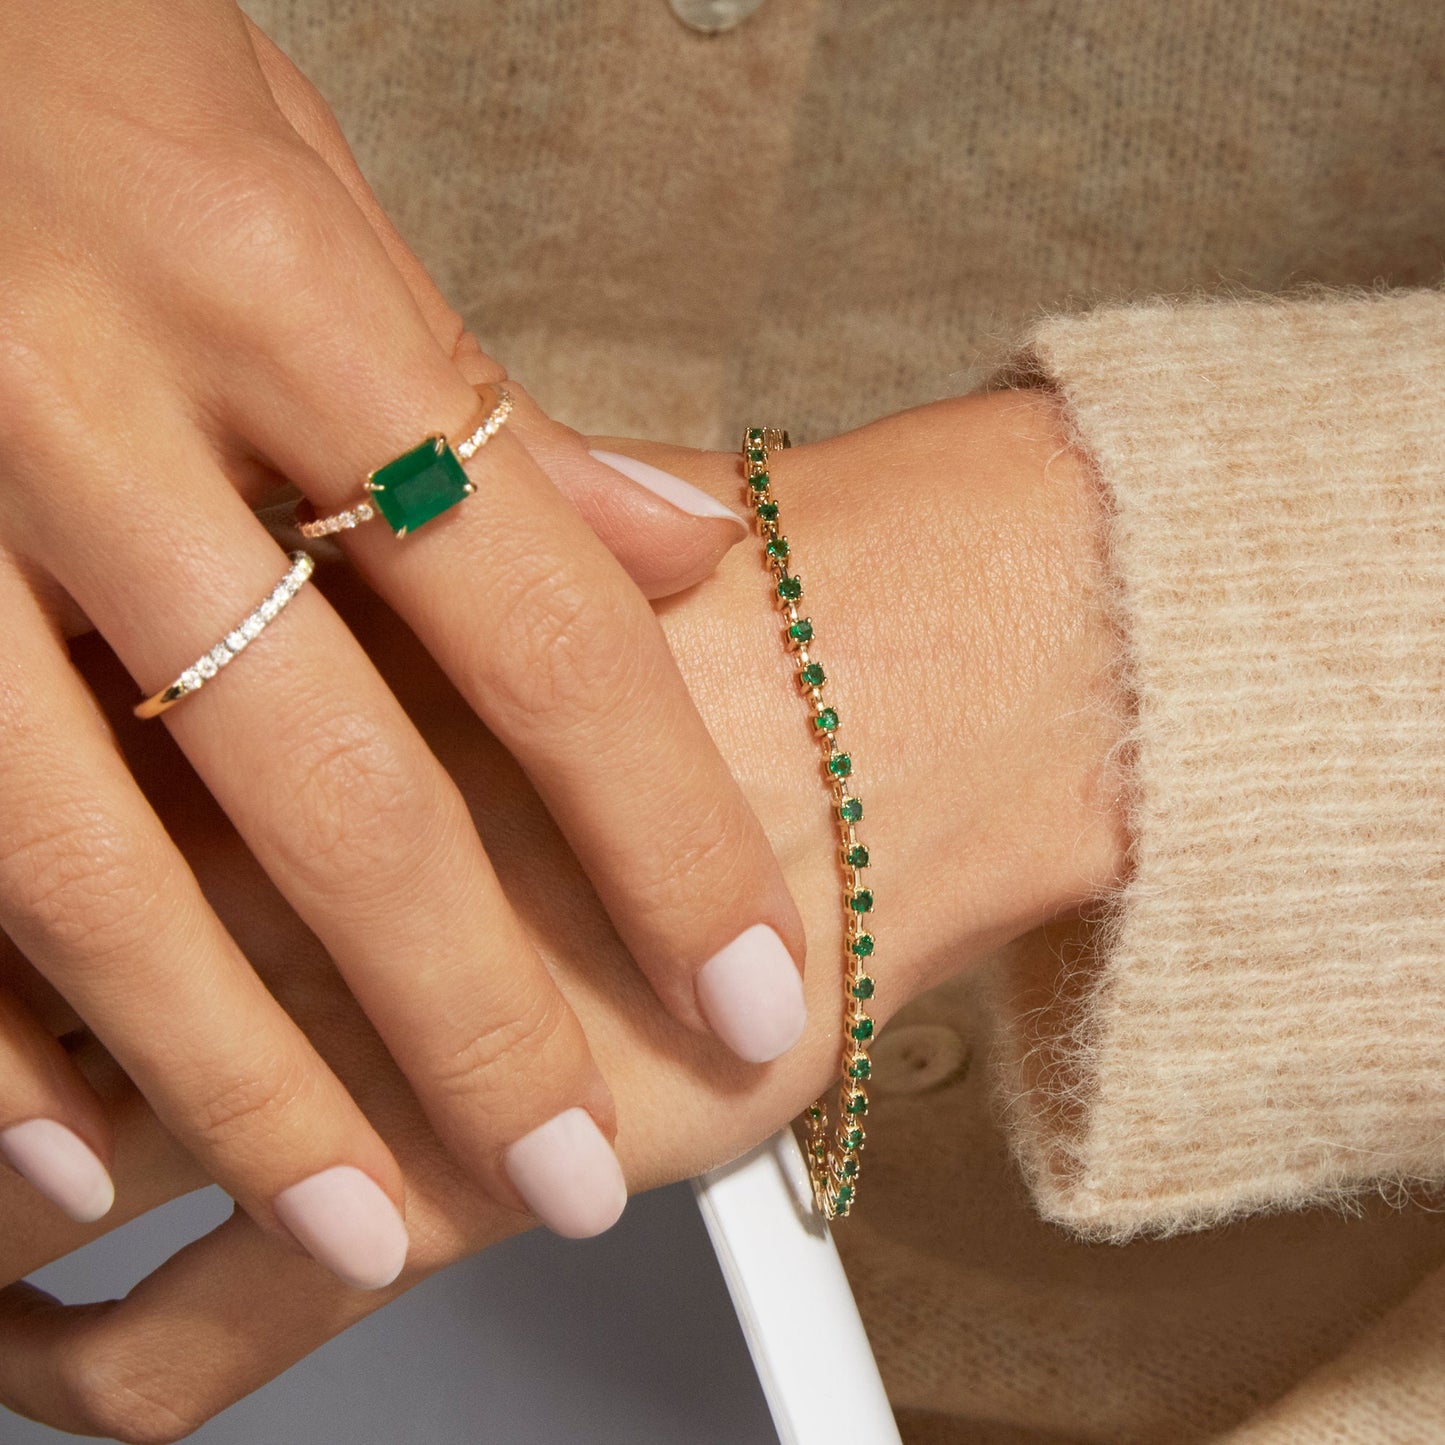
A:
858,856
854,1139
790,588
857,1104
755,436
756,454
840,765
826,720
845,1193
419,485
851,810
815,1113
849,1169
759,483
859,1069
861,901
778,547
863,945
864,987
801,630
768,511
862,1030
814,675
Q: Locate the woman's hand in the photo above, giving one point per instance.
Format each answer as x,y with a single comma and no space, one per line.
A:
951,558
195,307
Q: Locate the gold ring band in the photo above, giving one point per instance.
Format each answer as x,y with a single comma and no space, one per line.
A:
200,672
423,482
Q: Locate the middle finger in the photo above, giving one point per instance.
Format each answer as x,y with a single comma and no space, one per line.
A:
545,636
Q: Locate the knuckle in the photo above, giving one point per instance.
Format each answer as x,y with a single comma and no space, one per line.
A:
564,646
113,1395
701,856
354,802
37,398
502,1055
252,218
251,1105
83,884
26,373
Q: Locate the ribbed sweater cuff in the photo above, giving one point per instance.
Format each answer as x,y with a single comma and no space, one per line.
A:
1260,1019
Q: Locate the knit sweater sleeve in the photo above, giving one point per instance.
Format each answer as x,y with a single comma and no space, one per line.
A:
1258,1018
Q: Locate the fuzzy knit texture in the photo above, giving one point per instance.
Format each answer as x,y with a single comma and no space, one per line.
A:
840,209
1257,1022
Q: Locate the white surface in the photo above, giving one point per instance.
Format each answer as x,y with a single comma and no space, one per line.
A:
627,1339
793,1300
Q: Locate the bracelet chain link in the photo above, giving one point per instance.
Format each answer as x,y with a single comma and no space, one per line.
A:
832,1151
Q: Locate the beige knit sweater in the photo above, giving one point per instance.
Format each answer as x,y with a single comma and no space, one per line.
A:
842,208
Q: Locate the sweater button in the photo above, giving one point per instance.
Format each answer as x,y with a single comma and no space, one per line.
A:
914,1058
713,16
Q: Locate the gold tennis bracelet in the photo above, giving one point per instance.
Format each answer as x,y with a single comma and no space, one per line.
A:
832,1156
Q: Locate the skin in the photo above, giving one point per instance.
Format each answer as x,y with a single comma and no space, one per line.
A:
973,665
200,300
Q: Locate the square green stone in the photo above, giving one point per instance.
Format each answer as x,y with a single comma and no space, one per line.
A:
419,485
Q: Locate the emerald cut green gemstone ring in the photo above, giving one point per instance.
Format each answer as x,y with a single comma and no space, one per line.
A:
425,481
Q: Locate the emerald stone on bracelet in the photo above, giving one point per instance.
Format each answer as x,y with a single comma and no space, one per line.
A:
832,1154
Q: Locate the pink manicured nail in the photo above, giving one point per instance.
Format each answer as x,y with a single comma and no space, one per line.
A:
344,1220
683,495
568,1175
752,995
62,1166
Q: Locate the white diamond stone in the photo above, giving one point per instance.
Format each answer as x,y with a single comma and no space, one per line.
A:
190,679
251,628
206,667
236,640
268,609
220,654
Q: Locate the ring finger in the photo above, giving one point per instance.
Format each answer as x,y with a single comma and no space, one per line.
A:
561,656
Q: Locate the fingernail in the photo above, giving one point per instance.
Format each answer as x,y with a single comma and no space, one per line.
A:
344,1220
752,995
568,1175
683,495
62,1166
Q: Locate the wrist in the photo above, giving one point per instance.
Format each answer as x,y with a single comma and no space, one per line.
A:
952,558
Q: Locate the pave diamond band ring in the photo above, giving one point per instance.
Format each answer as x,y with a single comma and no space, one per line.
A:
241,636
424,482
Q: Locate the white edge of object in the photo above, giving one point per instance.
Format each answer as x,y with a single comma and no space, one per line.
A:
793,1299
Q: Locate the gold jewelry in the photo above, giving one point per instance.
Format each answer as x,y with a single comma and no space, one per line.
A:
200,672
832,1159
424,482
